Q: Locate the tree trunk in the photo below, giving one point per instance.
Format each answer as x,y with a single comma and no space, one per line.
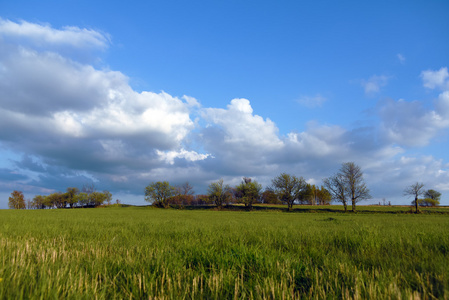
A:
353,205
416,205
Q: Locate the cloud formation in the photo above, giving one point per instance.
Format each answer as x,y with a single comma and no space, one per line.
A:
436,79
69,123
45,36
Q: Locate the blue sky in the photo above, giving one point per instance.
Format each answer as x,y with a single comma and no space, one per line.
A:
127,93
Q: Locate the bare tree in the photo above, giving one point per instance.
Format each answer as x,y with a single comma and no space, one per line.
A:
415,190
337,188
355,185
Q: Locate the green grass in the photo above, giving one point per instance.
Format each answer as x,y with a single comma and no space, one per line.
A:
143,252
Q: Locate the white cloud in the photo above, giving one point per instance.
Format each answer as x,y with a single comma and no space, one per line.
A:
409,123
74,115
242,128
436,79
318,141
374,84
170,156
311,102
401,58
442,105
45,35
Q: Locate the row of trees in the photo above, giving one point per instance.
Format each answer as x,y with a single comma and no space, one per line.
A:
73,197
248,193
346,185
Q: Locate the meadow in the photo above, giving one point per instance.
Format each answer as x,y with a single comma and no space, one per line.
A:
144,252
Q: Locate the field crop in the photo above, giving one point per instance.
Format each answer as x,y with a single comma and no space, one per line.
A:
115,253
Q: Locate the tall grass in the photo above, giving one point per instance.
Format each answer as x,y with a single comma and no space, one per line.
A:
154,253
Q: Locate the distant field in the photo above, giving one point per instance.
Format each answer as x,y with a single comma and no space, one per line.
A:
142,252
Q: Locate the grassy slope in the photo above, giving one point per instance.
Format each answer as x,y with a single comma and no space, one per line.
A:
145,252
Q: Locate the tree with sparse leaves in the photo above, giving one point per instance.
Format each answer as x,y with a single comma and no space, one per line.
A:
337,189
219,193
107,196
347,184
288,188
17,200
415,190
248,192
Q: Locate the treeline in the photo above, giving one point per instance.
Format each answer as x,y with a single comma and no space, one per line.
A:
249,192
73,197
346,186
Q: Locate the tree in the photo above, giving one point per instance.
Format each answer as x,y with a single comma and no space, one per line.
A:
337,189
56,200
432,194
183,194
314,195
82,199
39,202
352,176
158,193
219,193
270,197
17,200
97,198
428,202
324,197
70,194
248,192
288,188
415,190
308,195
108,196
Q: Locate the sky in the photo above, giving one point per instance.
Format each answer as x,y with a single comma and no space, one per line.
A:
122,94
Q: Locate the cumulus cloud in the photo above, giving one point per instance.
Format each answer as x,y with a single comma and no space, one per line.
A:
77,117
242,128
436,79
374,84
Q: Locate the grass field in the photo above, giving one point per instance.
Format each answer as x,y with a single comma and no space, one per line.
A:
144,253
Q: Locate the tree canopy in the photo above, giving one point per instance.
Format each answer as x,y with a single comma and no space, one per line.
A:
288,188
248,192
17,200
159,193
219,193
